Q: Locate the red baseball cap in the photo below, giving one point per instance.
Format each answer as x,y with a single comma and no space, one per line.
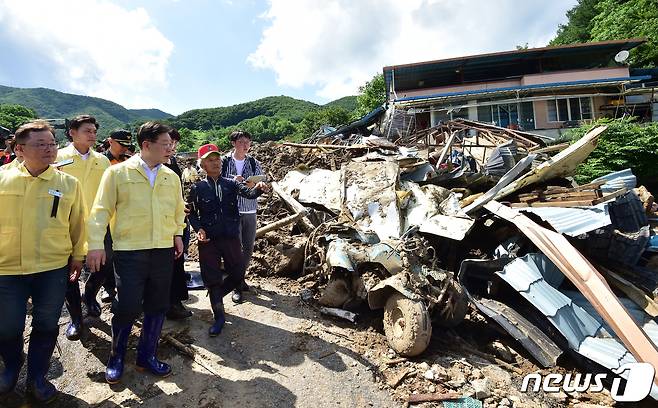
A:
207,149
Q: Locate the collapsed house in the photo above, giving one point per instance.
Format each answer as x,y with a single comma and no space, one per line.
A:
466,214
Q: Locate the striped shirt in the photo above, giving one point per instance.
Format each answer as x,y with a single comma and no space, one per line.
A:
245,205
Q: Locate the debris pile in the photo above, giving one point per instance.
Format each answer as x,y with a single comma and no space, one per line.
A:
424,224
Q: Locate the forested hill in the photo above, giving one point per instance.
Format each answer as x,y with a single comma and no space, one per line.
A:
51,104
270,118
283,107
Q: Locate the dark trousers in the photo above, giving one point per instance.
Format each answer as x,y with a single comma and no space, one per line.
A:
106,273
230,251
178,291
47,290
143,279
73,298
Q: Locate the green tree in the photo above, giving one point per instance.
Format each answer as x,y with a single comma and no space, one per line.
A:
603,20
619,19
333,116
626,144
187,140
579,24
371,95
12,116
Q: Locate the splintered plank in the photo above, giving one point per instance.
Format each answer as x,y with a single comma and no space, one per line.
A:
610,196
574,203
570,196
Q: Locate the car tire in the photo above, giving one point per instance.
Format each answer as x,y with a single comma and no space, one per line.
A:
407,325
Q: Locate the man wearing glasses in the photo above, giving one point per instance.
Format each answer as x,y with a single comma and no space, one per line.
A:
88,167
43,244
240,166
143,201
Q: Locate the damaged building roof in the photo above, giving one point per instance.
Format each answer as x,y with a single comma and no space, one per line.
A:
503,65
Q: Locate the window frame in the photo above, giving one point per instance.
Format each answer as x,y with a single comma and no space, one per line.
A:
579,99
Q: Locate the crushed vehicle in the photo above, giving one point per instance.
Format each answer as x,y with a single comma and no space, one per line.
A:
466,217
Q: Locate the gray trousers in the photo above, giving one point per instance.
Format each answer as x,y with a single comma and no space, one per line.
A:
247,238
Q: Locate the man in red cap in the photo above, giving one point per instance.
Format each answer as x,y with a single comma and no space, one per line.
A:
215,217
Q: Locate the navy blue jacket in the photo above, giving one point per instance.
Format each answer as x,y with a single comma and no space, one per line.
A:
219,218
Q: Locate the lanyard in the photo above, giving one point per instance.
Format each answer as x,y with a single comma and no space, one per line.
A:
215,185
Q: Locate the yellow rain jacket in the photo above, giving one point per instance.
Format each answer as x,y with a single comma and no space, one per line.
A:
140,216
33,236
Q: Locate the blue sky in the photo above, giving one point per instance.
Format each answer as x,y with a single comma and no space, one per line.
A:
177,55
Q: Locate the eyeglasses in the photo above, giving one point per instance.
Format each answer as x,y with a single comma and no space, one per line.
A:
170,145
41,146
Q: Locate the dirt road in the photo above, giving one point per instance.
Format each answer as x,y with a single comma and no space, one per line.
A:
275,351
279,351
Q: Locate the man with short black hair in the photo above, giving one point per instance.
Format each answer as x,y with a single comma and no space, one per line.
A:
239,165
42,248
88,167
143,202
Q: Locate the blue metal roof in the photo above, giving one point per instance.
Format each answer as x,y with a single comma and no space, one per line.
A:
525,88
504,65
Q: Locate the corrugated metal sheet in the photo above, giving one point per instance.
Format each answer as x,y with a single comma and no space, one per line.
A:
582,326
573,221
525,275
611,354
618,180
648,325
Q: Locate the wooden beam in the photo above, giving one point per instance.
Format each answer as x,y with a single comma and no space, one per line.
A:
610,196
278,224
295,206
446,148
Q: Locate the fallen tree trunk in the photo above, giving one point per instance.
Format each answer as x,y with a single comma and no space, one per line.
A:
295,206
278,224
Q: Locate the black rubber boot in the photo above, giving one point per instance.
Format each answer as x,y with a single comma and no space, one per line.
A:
39,352
217,306
236,296
73,303
91,290
11,351
178,312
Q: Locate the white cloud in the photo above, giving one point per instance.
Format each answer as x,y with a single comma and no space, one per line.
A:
94,47
337,45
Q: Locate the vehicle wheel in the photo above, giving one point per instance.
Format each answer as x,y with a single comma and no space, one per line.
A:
407,325
453,308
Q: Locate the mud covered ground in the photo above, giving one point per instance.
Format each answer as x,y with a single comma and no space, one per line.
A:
279,351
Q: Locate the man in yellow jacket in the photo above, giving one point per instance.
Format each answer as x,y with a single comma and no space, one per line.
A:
42,247
88,167
143,202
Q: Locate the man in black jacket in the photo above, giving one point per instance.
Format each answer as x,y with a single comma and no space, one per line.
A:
214,215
